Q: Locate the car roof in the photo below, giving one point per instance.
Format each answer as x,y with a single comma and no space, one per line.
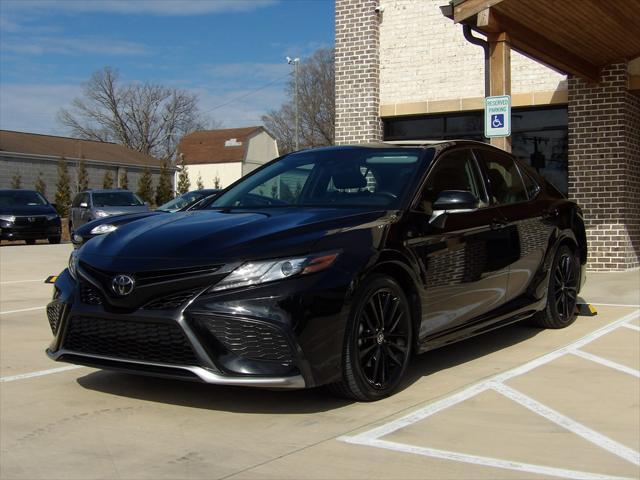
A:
422,144
106,190
17,189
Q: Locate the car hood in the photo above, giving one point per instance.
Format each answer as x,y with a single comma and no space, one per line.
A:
121,210
208,237
117,219
28,210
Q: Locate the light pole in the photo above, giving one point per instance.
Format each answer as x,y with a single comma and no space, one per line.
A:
296,62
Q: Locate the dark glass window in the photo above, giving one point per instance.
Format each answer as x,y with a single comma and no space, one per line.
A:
455,171
505,183
538,136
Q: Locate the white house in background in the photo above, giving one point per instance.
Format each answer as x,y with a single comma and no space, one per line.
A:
226,154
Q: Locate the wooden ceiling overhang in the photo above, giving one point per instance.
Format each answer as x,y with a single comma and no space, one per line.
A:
578,37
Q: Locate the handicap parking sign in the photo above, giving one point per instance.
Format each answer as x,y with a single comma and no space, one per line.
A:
497,116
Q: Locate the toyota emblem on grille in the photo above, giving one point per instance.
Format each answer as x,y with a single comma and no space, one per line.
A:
122,285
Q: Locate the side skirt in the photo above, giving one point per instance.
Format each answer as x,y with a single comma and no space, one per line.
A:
517,310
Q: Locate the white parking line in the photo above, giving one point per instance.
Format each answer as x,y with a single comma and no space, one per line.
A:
606,362
39,373
372,437
485,461
22,281
8,312
632,327
616,305
556,417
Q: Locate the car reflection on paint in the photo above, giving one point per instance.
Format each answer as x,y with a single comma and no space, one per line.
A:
102,226
331,266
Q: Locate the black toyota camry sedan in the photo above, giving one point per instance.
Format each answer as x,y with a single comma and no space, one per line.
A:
330,266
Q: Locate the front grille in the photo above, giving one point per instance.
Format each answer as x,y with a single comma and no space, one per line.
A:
156,276
173,301
248,339
25,222
89,294
130,339
54,312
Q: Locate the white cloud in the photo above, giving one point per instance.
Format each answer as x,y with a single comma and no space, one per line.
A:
72,46
34,108
152,7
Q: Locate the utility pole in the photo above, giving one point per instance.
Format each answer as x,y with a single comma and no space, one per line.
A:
296,62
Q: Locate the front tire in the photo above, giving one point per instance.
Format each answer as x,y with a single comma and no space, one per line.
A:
378,341
54,240
562,293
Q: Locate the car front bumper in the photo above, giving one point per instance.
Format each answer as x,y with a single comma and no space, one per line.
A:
284,335
38,230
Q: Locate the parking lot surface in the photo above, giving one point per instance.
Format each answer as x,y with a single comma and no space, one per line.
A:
516,403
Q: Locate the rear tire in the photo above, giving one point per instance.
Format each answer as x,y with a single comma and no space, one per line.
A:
378,341
562,292
54,240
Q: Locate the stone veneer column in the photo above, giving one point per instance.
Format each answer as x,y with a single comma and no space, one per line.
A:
604,166
357,72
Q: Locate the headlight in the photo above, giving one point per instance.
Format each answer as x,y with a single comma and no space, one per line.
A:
76,239
102,229
101,213
255,273
73,264
8,218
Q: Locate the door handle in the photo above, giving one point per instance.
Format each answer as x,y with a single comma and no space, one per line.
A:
497,223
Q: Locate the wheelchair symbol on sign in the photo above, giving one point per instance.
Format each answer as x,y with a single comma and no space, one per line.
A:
497,121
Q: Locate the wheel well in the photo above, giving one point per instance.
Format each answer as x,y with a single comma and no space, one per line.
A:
400,275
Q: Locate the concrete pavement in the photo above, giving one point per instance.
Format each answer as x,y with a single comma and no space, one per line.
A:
571,414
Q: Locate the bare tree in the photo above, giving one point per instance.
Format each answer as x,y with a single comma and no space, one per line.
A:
145,117
316,102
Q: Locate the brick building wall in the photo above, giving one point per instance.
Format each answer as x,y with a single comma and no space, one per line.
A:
604,166
424,56
357,72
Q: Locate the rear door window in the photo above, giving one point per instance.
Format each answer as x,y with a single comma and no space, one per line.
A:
505,182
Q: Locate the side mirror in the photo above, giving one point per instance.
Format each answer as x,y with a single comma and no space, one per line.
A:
84,205
452,200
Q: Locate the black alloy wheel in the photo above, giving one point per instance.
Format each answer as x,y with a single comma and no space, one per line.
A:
378,343
562,294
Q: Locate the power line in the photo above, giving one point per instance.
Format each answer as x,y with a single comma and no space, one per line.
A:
245,95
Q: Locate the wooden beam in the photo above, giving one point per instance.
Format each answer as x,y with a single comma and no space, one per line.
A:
500,75
634,84
487,21
469,8
541,49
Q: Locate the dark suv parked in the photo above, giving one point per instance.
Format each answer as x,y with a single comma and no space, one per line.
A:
27,215
92,204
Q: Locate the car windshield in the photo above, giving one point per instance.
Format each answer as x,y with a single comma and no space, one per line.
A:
116,199
183,200
21,198
377,178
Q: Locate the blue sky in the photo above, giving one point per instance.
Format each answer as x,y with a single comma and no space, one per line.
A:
219,49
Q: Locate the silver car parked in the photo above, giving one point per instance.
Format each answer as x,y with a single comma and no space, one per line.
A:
92,204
